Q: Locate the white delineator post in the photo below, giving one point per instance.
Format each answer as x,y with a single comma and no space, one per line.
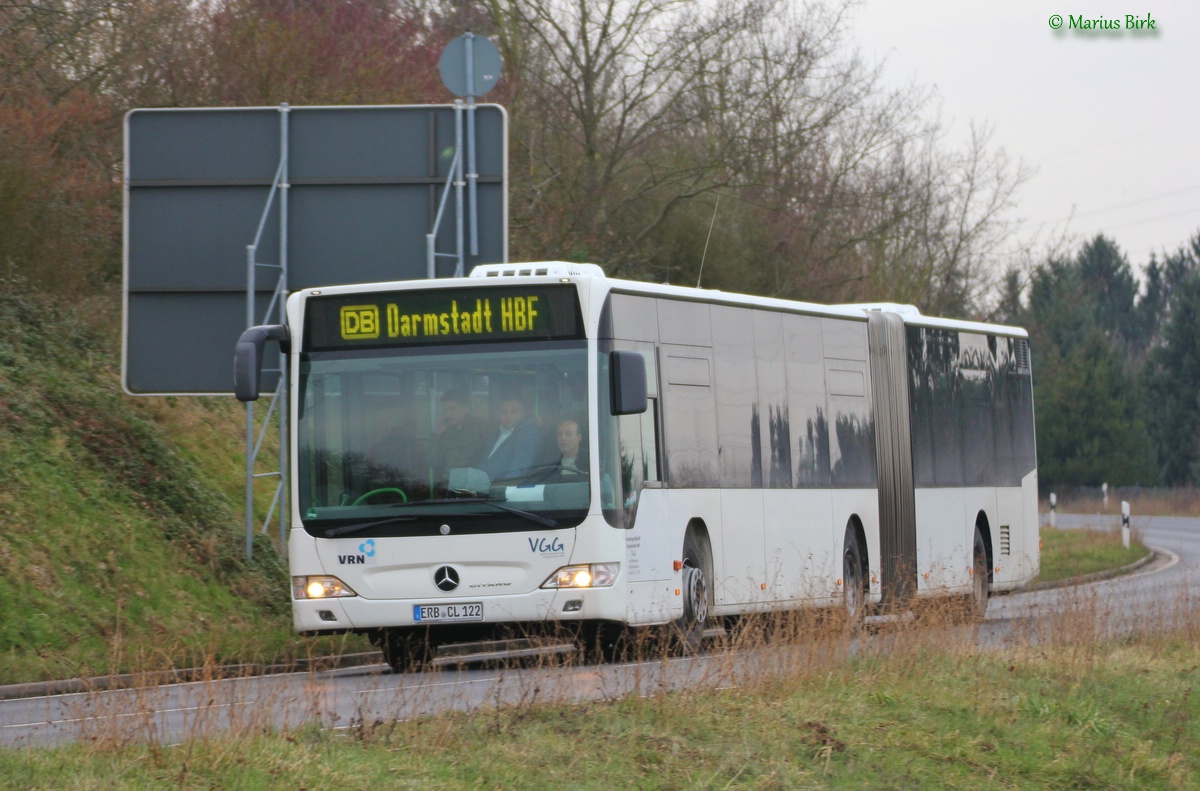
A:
1125,524
1053,509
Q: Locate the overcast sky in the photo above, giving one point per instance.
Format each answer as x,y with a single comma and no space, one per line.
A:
1110,122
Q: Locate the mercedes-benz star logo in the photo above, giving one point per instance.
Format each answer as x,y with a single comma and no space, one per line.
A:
445,578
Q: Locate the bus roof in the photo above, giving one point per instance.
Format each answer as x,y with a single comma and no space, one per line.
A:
564,269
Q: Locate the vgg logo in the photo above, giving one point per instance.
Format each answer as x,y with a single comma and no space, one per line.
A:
545,546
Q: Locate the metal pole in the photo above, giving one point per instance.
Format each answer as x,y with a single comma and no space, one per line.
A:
458,184
249,413
280,293
430,238
472,173
283,295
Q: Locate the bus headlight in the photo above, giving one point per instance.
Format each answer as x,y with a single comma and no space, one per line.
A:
320,587
592,575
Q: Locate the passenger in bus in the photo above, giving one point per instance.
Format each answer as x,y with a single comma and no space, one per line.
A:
512,448
458,437
571,463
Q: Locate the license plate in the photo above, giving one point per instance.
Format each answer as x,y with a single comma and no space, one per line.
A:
447,613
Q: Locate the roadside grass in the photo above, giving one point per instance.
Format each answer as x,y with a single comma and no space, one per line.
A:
1080,551
912,706
1143,501
122,603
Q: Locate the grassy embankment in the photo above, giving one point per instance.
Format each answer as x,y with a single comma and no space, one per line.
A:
122,543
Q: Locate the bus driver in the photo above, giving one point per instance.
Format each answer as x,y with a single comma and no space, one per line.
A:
510,451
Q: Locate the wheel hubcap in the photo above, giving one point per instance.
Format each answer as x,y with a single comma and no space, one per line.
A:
697,596
980,586
853,589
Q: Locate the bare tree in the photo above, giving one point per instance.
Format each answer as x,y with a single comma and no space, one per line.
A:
631,116
939,233
331,52
637,127
628,108
121,49
601,89
67,70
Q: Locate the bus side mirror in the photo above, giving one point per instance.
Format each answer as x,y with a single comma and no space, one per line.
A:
628,371
247,358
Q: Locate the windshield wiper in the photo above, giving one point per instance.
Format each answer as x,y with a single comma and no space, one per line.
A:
346,530
532,517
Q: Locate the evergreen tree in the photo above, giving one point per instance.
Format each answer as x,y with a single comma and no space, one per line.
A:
1091,423
1090,427
1009,309
1112,290
1153,304
1173,383
1161,281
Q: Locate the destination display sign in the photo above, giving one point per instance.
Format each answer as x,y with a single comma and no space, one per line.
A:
436,316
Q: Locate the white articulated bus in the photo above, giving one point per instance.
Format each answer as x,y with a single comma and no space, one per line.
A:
540,444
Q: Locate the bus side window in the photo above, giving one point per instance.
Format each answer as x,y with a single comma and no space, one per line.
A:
639,457
651,469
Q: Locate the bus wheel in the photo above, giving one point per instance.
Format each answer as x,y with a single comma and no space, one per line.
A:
854,595
604,642
405,649
690,628
978,600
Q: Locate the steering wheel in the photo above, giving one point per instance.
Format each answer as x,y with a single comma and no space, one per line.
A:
362,498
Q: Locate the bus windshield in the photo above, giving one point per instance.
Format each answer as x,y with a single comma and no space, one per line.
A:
399,441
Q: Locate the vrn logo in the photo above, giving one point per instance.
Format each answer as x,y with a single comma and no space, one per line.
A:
546,546
366,553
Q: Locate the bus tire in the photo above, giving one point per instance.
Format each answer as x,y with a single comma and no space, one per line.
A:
689,630
977,601
406,649
854,582
604,642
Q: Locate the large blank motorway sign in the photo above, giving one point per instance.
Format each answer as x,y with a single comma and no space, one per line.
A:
364,187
